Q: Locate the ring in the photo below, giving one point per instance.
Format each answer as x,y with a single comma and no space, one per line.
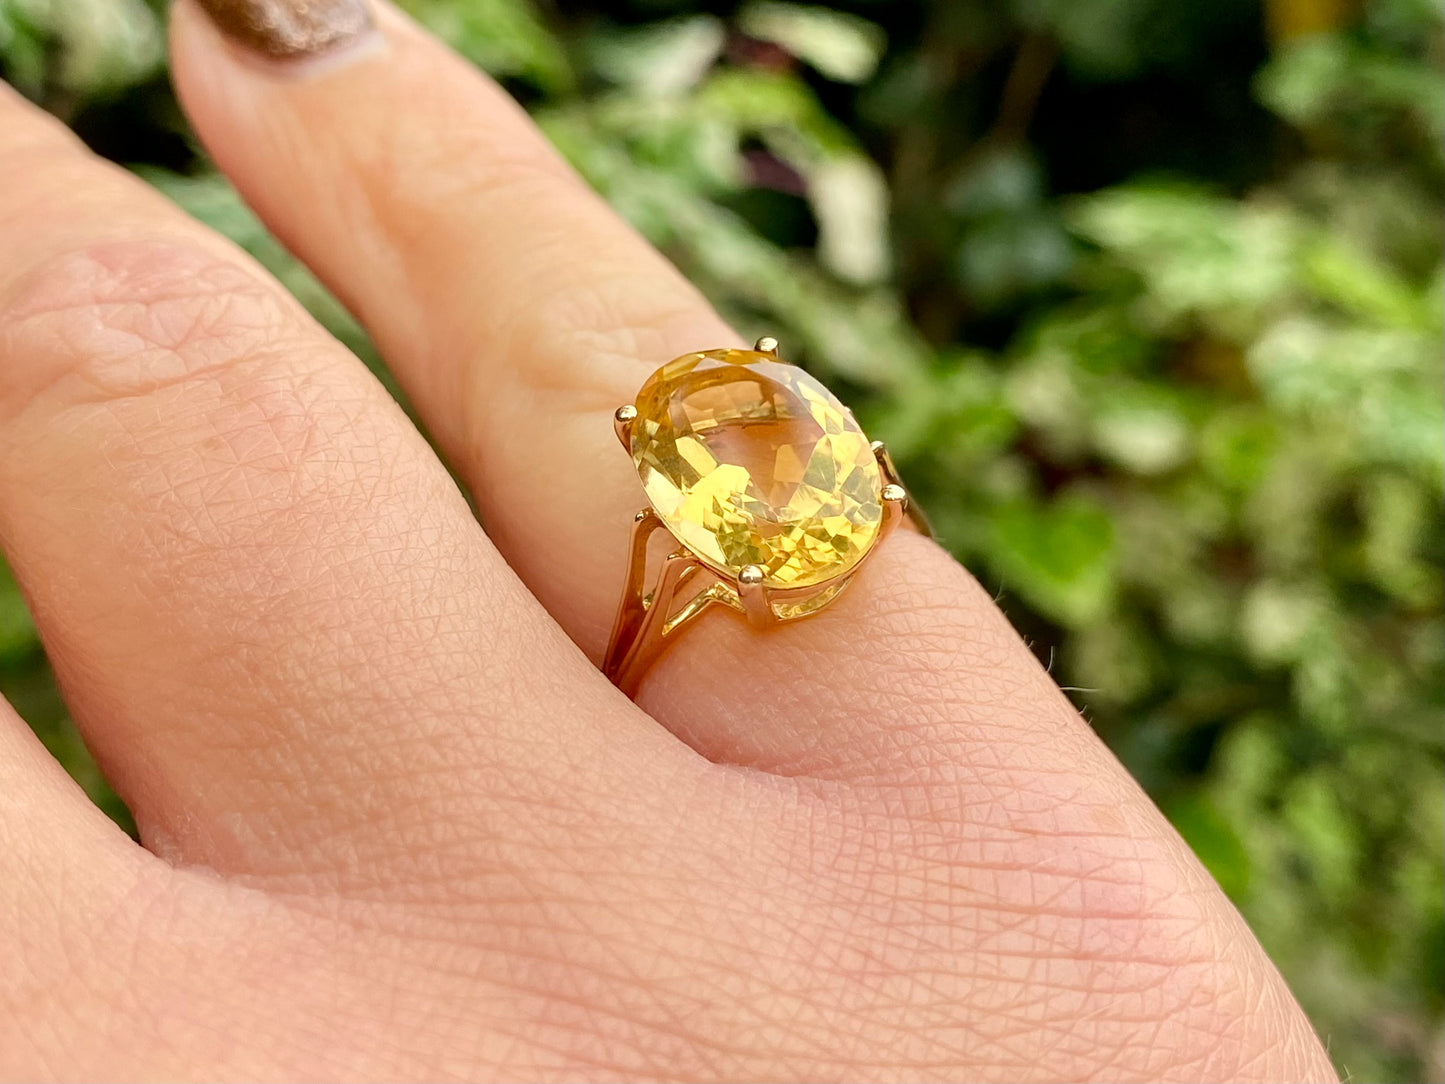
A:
768,486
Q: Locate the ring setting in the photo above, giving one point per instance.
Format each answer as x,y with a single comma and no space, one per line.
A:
769,487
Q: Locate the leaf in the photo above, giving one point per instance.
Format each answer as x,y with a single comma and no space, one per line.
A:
845,188
1003,257
1059,557
1292,19
1396,515
1116,662
849,198
1282,623
504,37
1142,429
1004,180
777,103
1236,445
862,334
1360,285
1332,78
17,632
22,49
660,59
1329,839
1211,836
840,46
1382,384
956,412
95,47
1198,256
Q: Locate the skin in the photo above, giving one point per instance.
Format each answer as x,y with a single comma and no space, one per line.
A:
394,822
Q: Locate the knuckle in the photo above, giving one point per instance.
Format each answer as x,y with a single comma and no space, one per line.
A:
121,319
202,390
604,333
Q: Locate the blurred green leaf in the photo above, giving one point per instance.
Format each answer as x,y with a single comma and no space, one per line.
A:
1213,839
840,46
1143,430
660,59
1236,446
1281,622
17,633
504,37
1378,384
1058,556
1363,287
1333,78
87,48
1199,256
849,198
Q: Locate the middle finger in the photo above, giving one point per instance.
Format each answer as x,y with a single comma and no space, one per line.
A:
275,619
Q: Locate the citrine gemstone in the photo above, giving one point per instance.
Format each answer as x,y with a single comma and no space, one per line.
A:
751,461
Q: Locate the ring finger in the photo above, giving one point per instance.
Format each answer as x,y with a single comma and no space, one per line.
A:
518,311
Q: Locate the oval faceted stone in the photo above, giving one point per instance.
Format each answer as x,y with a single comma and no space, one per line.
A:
751,461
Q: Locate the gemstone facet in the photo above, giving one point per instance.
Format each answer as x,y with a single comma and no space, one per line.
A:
751,461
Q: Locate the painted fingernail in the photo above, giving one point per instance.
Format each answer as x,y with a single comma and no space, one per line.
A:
290,29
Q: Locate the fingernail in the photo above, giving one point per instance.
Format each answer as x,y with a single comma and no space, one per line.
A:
290,29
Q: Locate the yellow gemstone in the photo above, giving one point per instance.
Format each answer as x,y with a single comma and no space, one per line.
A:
750,461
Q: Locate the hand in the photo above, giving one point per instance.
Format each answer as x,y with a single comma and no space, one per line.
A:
395,823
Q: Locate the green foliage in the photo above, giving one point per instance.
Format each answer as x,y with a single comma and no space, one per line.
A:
1196,438
504,36
79,49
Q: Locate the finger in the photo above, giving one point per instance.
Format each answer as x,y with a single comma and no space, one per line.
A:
514,306
518,311
114,966
63,864
272,613
47,824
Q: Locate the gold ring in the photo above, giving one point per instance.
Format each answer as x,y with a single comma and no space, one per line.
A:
768,486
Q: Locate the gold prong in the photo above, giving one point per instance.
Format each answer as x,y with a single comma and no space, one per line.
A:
622,419
885,463
632,607
754,595
895,507
767,345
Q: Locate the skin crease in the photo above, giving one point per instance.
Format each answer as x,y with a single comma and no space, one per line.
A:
395,823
